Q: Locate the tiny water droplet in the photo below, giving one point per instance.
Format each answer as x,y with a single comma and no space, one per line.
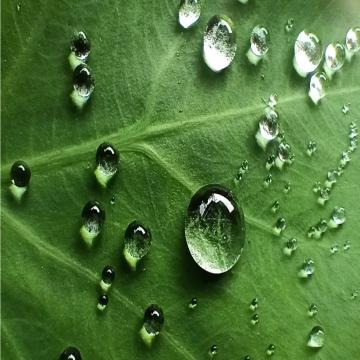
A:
308,53
273,100
345,158
83,84
267,180
287,187
71,353
334,249
102,302
80,49
290,247
338,217
107,163
254,304
347,245
311,232
112,200
259,44
317,87
313,310
331,178
334,58
243,1
219,43
275,206
137,243
107,278
153,323
247,357
268,128
189,12
213,350
20,175
352,42
270,162
307,269
354,295
193,303
244,167
345,109
93,216
214,229
289,24
283,155
321,228
280,226
324,195
270,350
316,337
311,148
254,319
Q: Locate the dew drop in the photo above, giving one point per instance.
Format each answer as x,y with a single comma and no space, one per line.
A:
345,158
307,269
80,49
331,178
317,87
316,337
289,24
354,295
93,216
347,245
324,195
268,128
290,247
275,206
267,180
153,323
308,53
102,302
20,175
321,228
112,200
273,100
287,187
213,350
83,84
214,229
193,303
107,278
334,249
334,58
259,44
243,1
189,12
247,357
313,310
283,155
352,42
311,148
270,350
107,163
254,304
338,217
280,226
137,243
219,43
345,109
311,232
244,167
254,319
71,353
270,162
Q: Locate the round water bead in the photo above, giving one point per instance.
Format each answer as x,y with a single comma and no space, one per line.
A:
214,229
268,128
313,310
270,350
320,228
213,350
275,206
219,46
137,243
189,12
290,247
338,217
324,196
352,42
307,269
317,87
259,44
193,303
280,226
254,304
254,319
71,353
270,162
107,278
93,216
331,178
153,323
316,337
308,53
80,49
102,302
20,175
334,58
283,155
83,84
107,163
311,148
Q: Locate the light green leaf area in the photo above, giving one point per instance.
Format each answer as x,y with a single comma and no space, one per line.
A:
178,126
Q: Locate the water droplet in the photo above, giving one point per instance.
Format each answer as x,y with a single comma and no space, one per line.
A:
193,303
83,84
334,249
331,178
20,175
107,278
268,128
219,43
338,217
275,206
283,155
308,53
153,323
112,200
267,180
287,187
317,87
313,310
107,162
311,148
102,302
352,42
324,196
321,228
311,232
80,49
270,162
334,58
189,12
273,100
290,247
307,269
254,304
137,243
214,229
316,337
71,353
254,319
347,245
289,25
247,357
344,158
280,226
18,7
270,350
354,295
259,44
244,167
93,216
213,350
345,109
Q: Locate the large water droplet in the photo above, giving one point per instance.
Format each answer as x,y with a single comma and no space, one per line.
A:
317,87
316,337
308,53
214,229
80,49
219,43
83,84
259,44
137,243
153,323
334,58
107,278
93,216
189,12
268,128
352,42
71,353
338,217
107,162
20,175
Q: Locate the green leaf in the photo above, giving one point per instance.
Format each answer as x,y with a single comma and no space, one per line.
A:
177,126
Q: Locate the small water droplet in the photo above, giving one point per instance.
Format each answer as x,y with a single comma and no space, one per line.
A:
213,350
107,162
270,350
107,278
311,232
244,167
213,213
193,303
102,302
189,12
352,42
313,310
287,187
20,175
268,128
283,155
254,319
259,44
334,58
80,49
93,216
317,87
344,158
338,217
243,1
137,243
267,180
280,226
316,337
354,295
153,323
83,84
71,353
18,6
275,206
307,269
289,24
324,196
262,77
254,304
345,109
308,53
219,43
112,200
247,357
272,101
270,162
311,148
290,247
321,228
334,249
347,245
331,178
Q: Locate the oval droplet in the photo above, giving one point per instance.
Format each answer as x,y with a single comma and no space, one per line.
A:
83,84
71,353
189,12
334,58
20,175
153,323
93,216
317,87
107,161
316,337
